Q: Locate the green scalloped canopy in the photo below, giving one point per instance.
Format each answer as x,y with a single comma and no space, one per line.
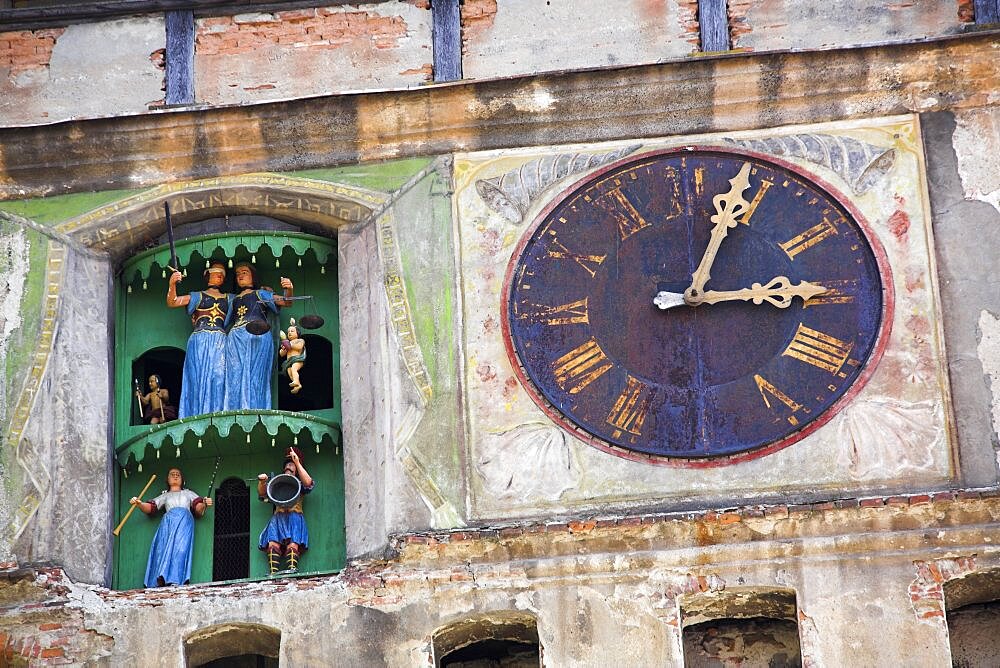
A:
230,433
231,245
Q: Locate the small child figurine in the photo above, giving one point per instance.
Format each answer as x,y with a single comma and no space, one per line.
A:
293,349
156,403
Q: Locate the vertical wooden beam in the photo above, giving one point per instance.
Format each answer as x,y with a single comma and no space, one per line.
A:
446,22
714,25
180,57
987,11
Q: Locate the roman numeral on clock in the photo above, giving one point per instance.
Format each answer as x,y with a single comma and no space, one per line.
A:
808,239
564,314
818,349
629,410
559,251
764,185
625,214
580,367
765,388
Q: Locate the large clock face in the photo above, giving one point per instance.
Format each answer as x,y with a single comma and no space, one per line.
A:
772,304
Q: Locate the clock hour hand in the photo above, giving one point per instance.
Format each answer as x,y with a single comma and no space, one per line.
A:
779,292
728,208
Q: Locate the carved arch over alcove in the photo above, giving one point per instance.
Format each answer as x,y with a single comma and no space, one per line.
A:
319,207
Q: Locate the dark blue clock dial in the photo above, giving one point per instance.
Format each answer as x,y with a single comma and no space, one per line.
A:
705,383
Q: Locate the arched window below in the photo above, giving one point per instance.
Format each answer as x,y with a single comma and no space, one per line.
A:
233,646
504,638
973,612
753,627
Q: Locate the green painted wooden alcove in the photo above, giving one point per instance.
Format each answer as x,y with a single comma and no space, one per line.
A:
151,338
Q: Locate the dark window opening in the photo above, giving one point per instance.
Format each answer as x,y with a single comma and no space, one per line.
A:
490,653
746,626
502,638
315,375
168,364
231,558
242,661
972,605
233,645
756,641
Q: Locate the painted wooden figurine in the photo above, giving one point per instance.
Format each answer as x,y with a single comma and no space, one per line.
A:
286,532
249,355
203,387
156,404
170,553
293,350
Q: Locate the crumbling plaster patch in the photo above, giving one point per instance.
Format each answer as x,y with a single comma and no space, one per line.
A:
977,144
989,354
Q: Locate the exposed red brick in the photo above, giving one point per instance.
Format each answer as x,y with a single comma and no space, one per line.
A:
582,527
729,518
871,503
510,532
919,499
477,17
49,626
943,496
24,50
897,501
776,511
52,652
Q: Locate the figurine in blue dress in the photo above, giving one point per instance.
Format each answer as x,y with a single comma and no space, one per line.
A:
170,554
203,386
249,356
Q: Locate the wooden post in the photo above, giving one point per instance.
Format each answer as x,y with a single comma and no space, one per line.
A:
446,34
132,509
714,25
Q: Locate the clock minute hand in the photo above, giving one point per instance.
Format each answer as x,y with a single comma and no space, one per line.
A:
728,208
779,292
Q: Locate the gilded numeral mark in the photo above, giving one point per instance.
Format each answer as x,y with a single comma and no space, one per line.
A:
765,388
821,350
572,313
580,367
625,214
837,292
629,410
674,184
699,181
764,185
585,261
809,238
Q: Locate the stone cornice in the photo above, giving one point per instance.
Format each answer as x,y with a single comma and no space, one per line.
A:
730,92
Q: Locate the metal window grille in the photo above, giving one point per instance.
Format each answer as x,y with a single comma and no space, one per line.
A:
232,531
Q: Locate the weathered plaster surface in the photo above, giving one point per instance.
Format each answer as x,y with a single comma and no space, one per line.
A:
894,434
512,37
675,98
610,592
977,145
66,436
989,354
967,233
96,69
768,25
267,56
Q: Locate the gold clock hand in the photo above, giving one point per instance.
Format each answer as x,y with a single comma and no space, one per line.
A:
779,291
728,208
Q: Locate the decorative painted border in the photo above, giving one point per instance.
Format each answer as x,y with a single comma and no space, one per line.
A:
31,501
